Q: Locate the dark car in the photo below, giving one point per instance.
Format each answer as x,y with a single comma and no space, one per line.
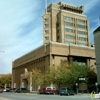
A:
22,90
66,91
12,89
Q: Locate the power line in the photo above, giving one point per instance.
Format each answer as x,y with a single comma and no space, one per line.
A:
2,51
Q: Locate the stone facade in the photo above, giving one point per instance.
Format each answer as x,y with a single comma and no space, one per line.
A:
66,36
67,24
51,54
97,51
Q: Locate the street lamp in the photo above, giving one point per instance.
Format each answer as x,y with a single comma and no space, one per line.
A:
76,88
96,84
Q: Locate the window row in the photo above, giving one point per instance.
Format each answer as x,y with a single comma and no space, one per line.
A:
46,25
47,38
82,32
73,37
80,20
68,24
70,18
73,31
81,44
69,30
46,31
71,24
82,39
46,19
70,37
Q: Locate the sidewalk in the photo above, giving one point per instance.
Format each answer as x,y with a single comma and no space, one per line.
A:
4,98
85,94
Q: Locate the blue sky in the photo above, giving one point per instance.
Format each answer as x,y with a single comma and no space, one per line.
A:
21,26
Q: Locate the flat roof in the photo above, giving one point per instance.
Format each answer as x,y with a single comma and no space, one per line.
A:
98,29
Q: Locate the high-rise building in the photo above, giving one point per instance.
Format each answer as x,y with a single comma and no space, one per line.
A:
63,25
67,24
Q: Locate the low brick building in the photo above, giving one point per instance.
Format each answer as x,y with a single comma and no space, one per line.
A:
51,54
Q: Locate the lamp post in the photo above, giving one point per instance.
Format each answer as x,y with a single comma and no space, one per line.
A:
96,84
76,88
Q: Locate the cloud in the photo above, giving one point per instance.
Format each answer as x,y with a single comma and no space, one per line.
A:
21,26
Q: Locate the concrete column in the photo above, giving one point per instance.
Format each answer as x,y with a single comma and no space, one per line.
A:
88,62
30,82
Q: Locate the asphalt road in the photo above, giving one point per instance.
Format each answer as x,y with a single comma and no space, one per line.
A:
20,96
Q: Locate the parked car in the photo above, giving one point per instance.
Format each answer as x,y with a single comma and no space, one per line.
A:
48,90
66,91
12,89
22,90
51,90
41,91
1,90
6,90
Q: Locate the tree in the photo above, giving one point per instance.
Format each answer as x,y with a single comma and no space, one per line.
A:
64,74
6,79
37,77
57,74
69,73
80,71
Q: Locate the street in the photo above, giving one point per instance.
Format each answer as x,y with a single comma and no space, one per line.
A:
21,96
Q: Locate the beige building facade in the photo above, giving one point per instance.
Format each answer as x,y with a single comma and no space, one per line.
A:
97,51
67,24
66,37
51,54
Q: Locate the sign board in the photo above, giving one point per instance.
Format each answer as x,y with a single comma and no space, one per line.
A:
82,86
81,78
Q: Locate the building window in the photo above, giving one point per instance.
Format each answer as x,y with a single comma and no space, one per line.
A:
81,38
68,18
69,30
57,37
47,20
70,37
81,26
81,44
68,24
57,31
57,24
47,31
67,42
46,25
81,21
47,38
82,32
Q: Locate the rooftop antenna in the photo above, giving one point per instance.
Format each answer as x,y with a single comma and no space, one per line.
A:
46,6
99,18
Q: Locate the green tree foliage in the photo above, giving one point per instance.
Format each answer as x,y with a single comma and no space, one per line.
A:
58,74
66,73
6,79
37,77
69,73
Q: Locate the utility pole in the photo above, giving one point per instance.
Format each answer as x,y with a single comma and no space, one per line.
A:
46,6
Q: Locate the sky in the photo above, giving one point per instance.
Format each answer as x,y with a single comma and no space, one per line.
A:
21,26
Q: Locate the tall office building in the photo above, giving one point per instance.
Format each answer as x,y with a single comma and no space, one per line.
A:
63,25
67,24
